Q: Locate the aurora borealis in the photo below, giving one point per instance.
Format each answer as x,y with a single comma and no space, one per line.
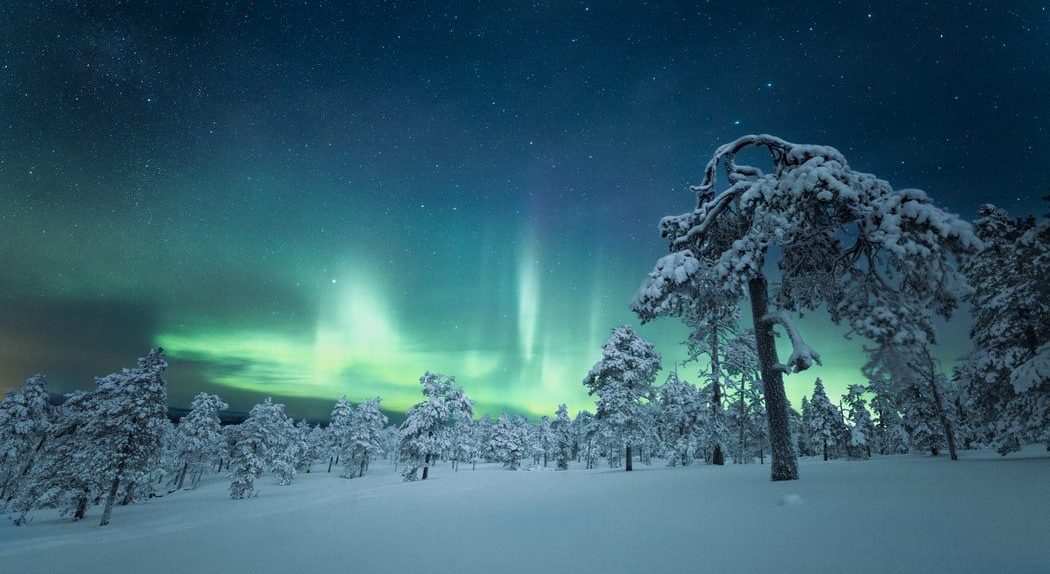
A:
310,201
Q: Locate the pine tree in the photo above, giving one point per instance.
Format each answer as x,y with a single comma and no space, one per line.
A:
862,430
365,437
876,259
908,375
26,418
339,429
509,441
622,379
562,435
681,414
1007,376
260,444
544,443
826,429
587,429
127,427
425,432
199,437
804,445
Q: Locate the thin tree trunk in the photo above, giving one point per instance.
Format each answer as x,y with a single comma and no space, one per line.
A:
784,464
718,457
110,499
825,449
426,460
362,467
129,494
81,507
630,466
949,432
330,459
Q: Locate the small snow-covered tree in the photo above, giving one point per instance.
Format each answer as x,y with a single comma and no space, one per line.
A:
862,430
26,418
510,441
127,426
826,429
365,437
587,429
64,475
261,443
562,436
543,445
804,444
876,259
198,438
1007,376
910,376
424,434
338,429
622,379
682,412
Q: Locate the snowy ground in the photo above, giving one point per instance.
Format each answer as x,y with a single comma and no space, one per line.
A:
982,514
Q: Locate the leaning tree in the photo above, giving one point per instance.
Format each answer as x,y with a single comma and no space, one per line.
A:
878,260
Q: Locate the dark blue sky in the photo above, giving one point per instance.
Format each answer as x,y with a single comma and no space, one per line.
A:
311,200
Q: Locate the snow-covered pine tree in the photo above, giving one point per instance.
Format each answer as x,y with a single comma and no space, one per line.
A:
261,443
338,429
910,376
587,429
198,438
1007,376
509,441
804,446
562,435
681,413
826,430
365,437
544,443
64,475
424,433
313,437
686,287
877,259
890,437
127,425
26,417
862,430
622,379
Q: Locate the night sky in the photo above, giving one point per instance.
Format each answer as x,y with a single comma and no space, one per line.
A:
314,198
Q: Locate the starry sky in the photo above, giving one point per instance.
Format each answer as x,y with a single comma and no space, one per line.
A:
313,199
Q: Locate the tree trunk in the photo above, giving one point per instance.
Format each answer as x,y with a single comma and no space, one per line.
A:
182,476
825,449
81,507
330,459
784,464
129,494
362,467
110,499
718,457
949,432
426,466
545,459
220,466
630,466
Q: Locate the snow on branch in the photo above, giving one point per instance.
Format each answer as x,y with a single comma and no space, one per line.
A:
802,355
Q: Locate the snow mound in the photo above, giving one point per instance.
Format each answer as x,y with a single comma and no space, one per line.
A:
791,500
